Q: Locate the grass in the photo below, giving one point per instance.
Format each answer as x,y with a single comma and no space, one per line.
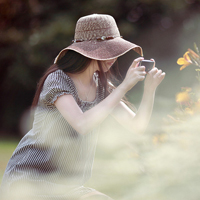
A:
6,149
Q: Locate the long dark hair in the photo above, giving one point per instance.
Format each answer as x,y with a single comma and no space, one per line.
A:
73,62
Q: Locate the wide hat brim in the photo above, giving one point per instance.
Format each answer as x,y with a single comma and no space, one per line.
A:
102,50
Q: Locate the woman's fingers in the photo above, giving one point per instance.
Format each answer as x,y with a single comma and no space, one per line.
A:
158,73
154,62
141,68
162,76
141,78
137,61
153,71
142,74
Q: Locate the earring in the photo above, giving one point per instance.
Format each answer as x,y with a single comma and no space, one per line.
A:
96,78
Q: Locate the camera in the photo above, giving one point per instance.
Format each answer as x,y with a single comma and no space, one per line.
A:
148,65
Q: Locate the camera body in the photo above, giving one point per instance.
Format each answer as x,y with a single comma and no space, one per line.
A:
148,65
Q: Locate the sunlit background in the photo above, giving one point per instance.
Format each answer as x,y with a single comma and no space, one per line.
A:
161,164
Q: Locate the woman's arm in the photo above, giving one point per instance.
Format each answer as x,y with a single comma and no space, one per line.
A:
85,122
139,121
135,122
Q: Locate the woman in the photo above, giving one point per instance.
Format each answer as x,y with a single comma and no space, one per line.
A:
54,159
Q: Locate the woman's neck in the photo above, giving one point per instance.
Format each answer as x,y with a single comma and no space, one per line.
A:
85,77
85,83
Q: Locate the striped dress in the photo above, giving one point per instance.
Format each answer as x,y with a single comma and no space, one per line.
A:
52,161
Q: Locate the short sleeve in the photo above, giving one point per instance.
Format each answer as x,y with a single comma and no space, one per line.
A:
55,85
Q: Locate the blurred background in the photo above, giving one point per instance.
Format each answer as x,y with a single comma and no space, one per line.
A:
32,33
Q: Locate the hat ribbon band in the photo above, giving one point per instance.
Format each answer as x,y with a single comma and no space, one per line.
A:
102,38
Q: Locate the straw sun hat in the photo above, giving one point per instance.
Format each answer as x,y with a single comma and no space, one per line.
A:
97,37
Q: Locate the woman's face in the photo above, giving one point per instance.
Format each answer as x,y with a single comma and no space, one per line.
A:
106,64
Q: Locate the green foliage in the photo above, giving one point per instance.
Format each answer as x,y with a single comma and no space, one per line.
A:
33,32
6,150
161,164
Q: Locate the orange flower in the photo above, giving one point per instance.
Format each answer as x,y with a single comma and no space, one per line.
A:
182,97
197,106
159,138
184,61
189,111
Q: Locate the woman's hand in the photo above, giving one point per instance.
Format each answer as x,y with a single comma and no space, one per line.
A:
134,74
153,79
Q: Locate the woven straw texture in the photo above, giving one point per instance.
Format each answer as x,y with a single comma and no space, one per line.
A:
91,27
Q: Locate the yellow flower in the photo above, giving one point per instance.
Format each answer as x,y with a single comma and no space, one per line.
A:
197,106
184,61
189,111
182,97
159,138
